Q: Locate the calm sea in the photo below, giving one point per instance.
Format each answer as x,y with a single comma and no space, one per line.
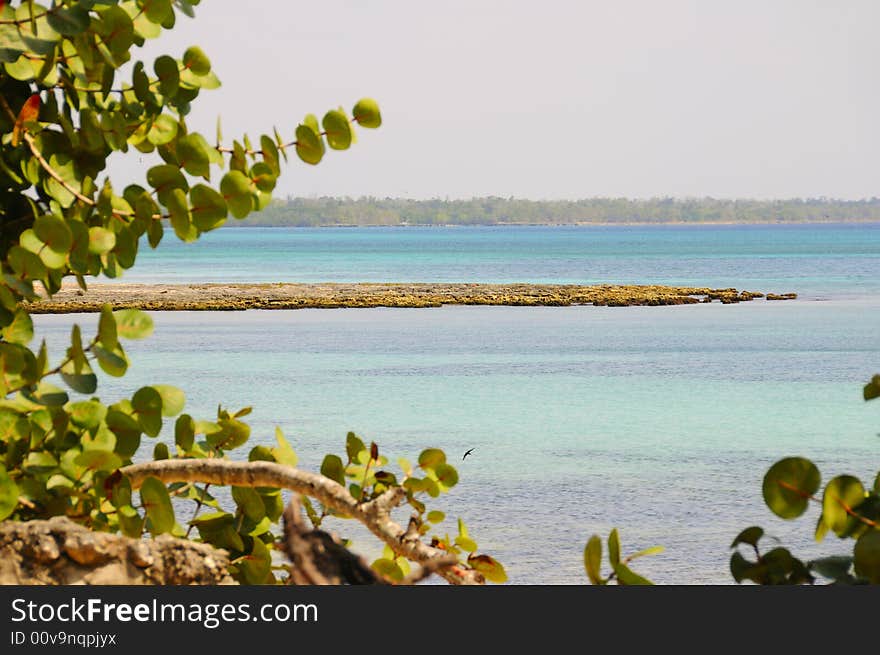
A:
660,421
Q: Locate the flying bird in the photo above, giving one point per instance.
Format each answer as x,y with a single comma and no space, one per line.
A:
467,453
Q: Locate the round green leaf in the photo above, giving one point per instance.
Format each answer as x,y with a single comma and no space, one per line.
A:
184,432
749,536
236,189
338,130
173,399
842,493
208,208
157,502
788,486
21,329
435,516
446,475
101,240
333,468
168,73
193,155
489,567
431,457
25,264
366,113
87,414
197,61
163,130
133,323
866,555
147,404
53,231
309,144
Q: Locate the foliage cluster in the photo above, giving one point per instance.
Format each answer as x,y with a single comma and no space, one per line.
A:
64,110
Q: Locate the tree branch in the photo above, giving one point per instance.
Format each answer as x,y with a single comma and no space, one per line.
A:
375,515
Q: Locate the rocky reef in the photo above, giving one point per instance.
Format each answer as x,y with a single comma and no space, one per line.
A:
201,297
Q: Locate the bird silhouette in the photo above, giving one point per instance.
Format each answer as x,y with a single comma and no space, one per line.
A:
467,453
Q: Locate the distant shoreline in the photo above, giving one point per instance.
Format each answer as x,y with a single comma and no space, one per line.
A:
867,221
231,297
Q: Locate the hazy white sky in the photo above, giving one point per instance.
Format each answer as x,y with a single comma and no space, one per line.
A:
557,98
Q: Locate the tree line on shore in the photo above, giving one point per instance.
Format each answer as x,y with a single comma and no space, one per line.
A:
320,211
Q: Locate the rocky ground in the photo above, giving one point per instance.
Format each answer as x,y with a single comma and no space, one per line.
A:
188,297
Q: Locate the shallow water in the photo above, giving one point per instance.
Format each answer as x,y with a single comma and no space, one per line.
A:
658,420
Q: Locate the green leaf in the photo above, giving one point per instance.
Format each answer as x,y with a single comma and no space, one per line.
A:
236,189
866,556
338,130
133,323
256,567
788,486
872,389
446,475
467,544
87,414
98,460
842,493
593,560
163,130
69,21
366,113
284,453
653,550
197,61
194,156
101,240
107,328
168,73
9,493
835,567
614,549
173,399
112,362
489,567
157,503
181,220
21,329
431,458
208,208
54,232
627,576
353,446
333,468
25,264
147,404
749,536
184,432
83,381
309,144
388,568
157,11
250,503
435,516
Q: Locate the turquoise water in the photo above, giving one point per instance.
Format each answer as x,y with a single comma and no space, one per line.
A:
658,420
811,259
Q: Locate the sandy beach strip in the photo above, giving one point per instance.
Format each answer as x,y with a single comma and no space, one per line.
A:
213,297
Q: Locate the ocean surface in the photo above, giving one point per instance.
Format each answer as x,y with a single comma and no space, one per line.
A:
660,421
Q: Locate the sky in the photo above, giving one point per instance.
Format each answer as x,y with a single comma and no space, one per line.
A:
555,99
